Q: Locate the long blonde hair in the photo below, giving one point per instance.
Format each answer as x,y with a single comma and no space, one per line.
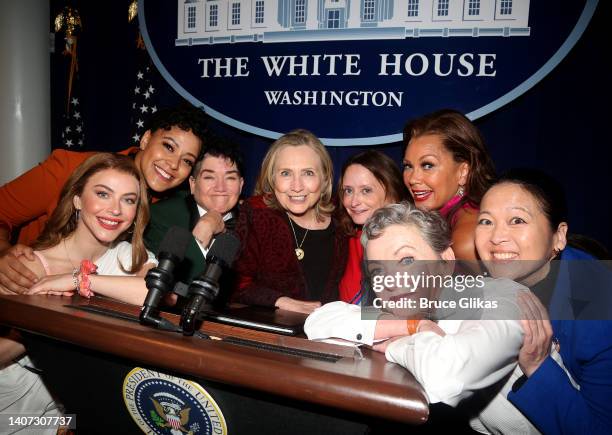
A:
63,221
265,181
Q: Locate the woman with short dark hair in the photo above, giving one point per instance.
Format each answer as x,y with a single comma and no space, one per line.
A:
564,384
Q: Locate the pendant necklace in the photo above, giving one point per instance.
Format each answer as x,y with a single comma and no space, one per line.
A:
68,255
299,252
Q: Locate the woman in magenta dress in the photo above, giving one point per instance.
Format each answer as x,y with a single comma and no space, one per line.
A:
369,180
447,168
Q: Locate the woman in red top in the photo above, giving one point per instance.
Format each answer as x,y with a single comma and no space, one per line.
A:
369,180
447,168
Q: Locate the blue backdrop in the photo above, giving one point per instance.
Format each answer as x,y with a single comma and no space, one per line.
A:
561,125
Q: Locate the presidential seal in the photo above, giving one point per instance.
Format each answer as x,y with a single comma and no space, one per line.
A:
165,404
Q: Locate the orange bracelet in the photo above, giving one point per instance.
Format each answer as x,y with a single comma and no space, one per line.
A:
412,325
84,287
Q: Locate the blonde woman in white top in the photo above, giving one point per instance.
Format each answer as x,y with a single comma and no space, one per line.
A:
102,206
100,218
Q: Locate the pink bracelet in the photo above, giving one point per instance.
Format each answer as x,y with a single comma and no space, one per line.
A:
84,287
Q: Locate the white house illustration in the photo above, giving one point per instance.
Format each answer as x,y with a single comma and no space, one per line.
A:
270,21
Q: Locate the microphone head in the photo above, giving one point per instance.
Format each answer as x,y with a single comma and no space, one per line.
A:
225,248
175,242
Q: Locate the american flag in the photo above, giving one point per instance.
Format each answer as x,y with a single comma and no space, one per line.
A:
73,134
144,100
144,92
68,22
72,125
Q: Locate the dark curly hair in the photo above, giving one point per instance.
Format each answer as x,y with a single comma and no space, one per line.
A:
184,116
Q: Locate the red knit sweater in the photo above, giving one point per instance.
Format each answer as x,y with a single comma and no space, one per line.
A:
267,266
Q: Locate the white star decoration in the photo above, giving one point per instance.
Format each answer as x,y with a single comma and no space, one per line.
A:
143,100
72,122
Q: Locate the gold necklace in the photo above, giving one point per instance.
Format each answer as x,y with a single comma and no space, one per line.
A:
68,255
299,252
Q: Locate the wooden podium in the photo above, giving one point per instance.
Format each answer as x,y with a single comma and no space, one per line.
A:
260,382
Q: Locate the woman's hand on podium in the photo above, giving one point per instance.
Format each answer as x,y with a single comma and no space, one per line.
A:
290,304
61,285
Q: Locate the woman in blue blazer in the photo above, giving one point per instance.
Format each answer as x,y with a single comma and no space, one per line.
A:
523,217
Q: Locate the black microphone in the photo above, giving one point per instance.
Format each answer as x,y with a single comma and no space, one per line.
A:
205,288
160,280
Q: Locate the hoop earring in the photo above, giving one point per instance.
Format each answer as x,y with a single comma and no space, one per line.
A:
77,214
